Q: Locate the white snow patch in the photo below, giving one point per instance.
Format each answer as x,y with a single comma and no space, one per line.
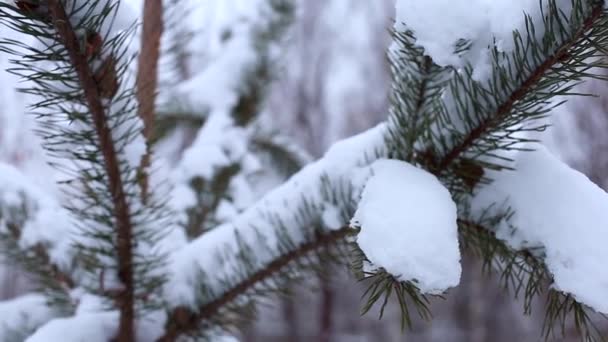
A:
202,254
557,208
332,217
89,327
439,24
23,314
409,226
46,222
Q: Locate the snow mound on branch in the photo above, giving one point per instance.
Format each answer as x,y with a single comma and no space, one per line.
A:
409,226
560,210
90,327
23,314
45,221
342,160
439,24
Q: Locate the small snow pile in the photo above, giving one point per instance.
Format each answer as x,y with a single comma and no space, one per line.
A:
218,145
560,210
225,29
90,327
483,23
409,226
92,323
22,315
332,217
44,220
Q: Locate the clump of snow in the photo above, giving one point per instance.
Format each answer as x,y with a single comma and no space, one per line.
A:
22,315
332,218
408,224
45,222
134,149
229,52
87,303
484,23
90,327
219,144
218,85
560,210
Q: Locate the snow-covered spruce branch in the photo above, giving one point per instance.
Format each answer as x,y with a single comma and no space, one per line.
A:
78,73
301,216
483,123
116,186
33,236
24,211
568,56
23,315
35,260
422,107
524,272
450,138
86,176
284,153
233,107
519,270
184,321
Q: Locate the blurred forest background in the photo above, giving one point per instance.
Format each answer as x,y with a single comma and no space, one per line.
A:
333,81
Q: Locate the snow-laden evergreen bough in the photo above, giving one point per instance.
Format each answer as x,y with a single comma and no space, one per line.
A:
119,255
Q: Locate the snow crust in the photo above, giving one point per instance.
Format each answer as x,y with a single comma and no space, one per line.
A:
561,212
408,224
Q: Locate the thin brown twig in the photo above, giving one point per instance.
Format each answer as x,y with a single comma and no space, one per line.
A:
124,227
147,78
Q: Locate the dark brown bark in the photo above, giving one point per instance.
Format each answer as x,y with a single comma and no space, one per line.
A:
124,228
147,77
149,55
